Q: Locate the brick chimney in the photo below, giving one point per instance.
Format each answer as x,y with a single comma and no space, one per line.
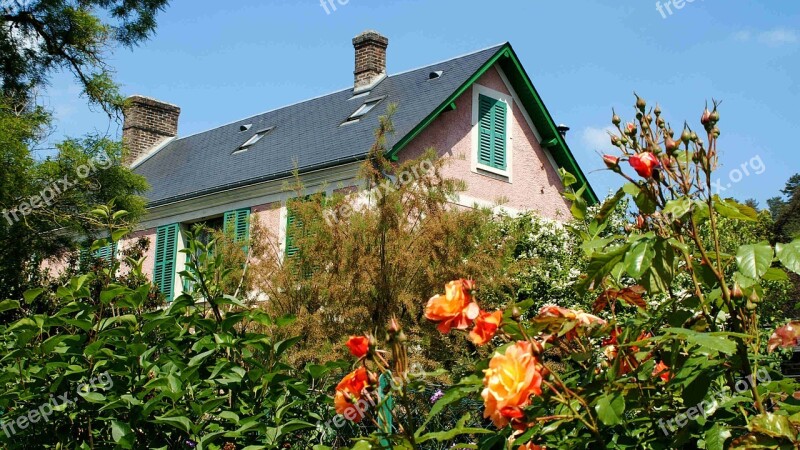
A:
148,123
370,59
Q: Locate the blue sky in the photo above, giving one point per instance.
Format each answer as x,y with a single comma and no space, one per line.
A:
222,61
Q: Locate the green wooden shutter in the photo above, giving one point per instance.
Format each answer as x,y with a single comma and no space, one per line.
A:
492,120
166,253
106,253
293,226
237,222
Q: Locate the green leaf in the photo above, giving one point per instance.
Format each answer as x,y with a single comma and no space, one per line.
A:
32,294
754,260
567,178
774,425
639,258
675,209
6,305
284,345
180,422
776,274
610,409
708,341
731,209
122,434
789,255
197,359
119,234
716,436
601,265
609,205
93,397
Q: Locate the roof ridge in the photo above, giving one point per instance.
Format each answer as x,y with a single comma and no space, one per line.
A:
179,138
450,59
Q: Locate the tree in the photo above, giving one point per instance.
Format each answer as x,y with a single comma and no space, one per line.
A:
786,210
45,203
40,36
357,260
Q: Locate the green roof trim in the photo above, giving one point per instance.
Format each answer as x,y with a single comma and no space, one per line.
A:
542,120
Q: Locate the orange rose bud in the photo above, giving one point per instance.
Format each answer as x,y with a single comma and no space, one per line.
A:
509,382
485,327
612,162
455,309
358,345
644,163
348,392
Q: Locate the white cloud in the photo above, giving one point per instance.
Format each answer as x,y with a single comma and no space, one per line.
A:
774,37
596,138
779,36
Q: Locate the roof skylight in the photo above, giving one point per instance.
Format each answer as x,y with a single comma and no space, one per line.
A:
363,110
255,138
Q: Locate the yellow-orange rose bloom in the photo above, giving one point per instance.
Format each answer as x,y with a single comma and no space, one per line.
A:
454,309
348,392
510,381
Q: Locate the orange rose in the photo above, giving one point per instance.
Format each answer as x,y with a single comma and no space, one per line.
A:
358,345
785,336
511,379
455,309
662,371
348,392
485,327
644,164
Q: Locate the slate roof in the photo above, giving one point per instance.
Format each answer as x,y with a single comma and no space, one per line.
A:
307,135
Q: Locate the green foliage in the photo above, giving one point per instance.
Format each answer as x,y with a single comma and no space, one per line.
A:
40,36
157,378
44,203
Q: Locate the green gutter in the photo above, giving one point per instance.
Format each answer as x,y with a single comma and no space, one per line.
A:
551,138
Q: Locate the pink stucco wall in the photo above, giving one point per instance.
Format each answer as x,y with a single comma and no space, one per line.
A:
149,261
535,184
269,217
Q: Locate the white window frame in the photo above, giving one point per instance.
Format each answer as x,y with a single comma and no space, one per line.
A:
476,167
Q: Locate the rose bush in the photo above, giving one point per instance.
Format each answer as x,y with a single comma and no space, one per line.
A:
673,354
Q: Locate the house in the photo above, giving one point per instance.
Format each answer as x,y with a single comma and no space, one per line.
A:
480,109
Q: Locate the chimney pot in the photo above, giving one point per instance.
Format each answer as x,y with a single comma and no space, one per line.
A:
148,123
370,48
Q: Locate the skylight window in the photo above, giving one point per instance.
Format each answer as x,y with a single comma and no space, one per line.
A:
363,110
253,140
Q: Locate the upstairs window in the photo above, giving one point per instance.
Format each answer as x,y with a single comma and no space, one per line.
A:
492,118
